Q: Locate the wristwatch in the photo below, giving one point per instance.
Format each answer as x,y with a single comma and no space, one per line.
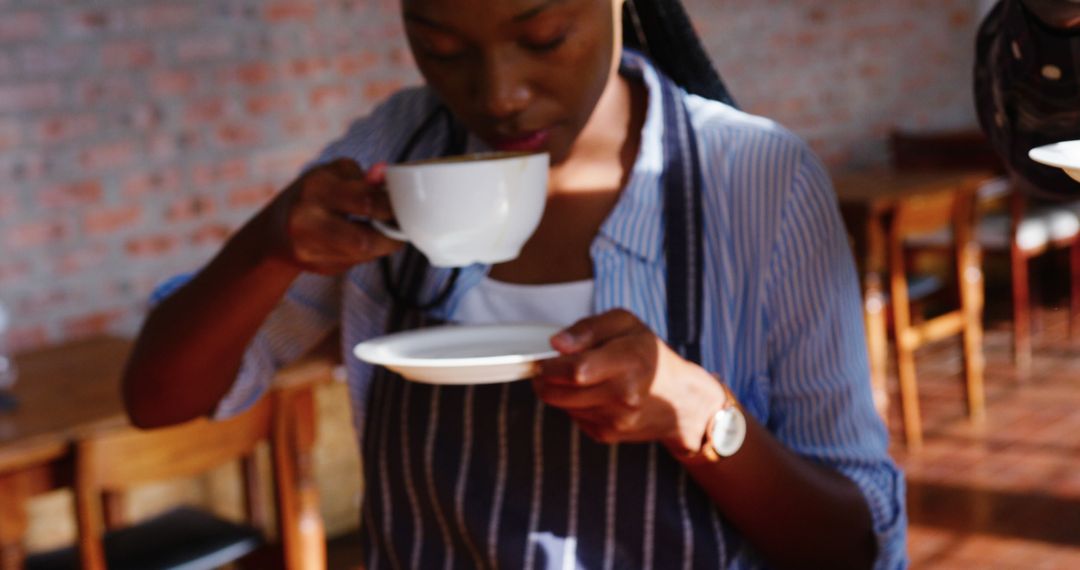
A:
724,434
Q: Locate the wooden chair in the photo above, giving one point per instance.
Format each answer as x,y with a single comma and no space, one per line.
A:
1022,230
914,217
109,464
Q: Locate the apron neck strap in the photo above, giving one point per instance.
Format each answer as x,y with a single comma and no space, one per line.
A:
683,235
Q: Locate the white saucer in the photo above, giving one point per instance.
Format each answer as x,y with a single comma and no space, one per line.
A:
460,354
1064,155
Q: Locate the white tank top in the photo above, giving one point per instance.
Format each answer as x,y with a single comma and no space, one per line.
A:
492,302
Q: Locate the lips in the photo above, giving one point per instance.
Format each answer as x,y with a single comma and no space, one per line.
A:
527,142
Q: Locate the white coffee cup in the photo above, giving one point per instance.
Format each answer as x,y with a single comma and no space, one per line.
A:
478,208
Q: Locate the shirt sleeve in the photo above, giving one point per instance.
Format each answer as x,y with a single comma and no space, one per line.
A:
306,314
821,405
312,307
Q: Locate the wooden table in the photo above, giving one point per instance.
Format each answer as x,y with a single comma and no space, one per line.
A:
72,391
868,200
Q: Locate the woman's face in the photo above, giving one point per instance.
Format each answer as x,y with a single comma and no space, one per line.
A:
521,74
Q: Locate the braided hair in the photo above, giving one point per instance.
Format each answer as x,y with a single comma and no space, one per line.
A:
662,31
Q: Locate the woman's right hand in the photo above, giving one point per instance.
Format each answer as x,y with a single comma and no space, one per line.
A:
308,223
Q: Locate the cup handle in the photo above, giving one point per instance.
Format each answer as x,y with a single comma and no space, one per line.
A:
388,231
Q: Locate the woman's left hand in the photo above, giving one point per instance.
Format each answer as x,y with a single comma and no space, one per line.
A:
621,383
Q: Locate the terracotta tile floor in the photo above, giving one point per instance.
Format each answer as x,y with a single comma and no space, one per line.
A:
1005,495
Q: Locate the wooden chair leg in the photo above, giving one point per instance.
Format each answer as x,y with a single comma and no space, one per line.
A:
969,276
909,396
1021,300
114,509
1074,287
905,352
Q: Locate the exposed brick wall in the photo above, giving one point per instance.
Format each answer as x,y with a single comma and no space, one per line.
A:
841,73
135,135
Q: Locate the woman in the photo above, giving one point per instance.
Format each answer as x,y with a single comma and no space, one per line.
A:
668,214
1027,87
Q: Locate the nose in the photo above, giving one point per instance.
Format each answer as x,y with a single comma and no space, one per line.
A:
504,89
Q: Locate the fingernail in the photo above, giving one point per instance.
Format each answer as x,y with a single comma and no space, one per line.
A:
377,173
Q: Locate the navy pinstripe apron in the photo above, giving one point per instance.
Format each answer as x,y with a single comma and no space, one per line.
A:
487,476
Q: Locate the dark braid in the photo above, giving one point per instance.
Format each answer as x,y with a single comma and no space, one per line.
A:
672,45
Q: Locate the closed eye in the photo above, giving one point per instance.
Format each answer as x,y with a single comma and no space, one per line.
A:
550,45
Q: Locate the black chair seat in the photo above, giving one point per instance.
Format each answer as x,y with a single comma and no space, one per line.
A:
180,539
920,286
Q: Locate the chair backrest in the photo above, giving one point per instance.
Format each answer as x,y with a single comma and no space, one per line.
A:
943,149
921,215
116,461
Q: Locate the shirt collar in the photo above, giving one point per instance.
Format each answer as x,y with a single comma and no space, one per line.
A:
635,224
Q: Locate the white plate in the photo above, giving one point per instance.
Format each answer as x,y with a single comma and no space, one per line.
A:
459,354
1064,155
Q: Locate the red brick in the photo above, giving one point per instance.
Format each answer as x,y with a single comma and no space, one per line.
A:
206,48
151,245
7,66
143,117
37,233
238,135
112,90
309,68
211,174
10,134
8,205
29,97
961,19
309,126
80,260
90,324
100,221
22,26
108,156
91,22
329,97
203,111
142,184
129,54
166,146
270,103
62,128
190,208
252,196
173,83
23,168
81,193
159,16
45,59
402,58
211,235
41,300
277,12
13,271
356,64
253,74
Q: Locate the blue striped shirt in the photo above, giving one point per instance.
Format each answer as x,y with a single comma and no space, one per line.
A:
783,323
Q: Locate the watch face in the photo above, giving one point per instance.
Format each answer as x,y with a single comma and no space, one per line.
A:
729,431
